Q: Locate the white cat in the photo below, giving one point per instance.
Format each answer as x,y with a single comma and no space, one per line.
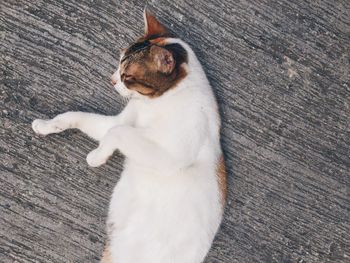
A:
169,202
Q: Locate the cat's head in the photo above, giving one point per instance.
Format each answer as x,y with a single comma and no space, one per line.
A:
152,65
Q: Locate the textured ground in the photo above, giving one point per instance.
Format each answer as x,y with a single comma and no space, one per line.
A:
280,70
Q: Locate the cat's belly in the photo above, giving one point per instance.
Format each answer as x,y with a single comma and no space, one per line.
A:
164,220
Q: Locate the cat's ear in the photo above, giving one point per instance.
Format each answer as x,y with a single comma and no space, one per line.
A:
152,25
163,59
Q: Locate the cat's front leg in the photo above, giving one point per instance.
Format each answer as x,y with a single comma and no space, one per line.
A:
45,127
131,142
94,125
108,144
99,156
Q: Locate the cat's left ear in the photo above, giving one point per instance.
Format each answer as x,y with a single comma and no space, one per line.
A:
152,25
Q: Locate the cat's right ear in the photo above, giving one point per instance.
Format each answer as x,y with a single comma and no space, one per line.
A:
163,59
152,25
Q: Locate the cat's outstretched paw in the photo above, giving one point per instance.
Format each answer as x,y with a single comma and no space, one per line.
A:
96,158
45,127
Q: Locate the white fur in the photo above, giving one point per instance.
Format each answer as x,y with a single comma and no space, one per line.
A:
166,207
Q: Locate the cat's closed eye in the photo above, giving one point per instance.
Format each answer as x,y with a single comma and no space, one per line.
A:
127,78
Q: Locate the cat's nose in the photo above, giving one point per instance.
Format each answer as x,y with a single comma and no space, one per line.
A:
113,80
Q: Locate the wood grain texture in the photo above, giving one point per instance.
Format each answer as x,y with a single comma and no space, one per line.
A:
280,70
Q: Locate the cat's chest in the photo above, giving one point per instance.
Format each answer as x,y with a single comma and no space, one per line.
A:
157,122
146,118
150,116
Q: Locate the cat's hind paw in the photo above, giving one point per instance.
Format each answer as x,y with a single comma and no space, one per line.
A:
45,127
96,158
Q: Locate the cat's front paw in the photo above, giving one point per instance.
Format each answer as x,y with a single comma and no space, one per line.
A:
96,158
45,127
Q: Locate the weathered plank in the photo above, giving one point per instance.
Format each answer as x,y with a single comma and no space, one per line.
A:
280,70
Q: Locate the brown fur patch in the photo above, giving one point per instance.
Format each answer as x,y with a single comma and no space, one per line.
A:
144,67
106,256
222,179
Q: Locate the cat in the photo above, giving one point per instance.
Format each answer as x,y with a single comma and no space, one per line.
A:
169,201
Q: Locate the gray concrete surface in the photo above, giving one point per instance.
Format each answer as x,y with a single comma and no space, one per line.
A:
280,70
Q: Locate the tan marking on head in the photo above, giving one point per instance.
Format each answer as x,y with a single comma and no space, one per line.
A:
160,41
222,179
143,90
106,256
